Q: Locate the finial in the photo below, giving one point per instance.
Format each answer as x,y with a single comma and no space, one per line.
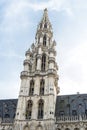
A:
45,15
45,11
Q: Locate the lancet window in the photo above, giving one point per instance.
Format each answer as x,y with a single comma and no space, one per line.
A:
31,91
29,109
44,40
45,25
42,84
40,109
43,64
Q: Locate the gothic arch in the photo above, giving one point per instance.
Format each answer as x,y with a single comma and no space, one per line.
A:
26,127
43,62
29,109
42,85
44,40
45,25
39,127
40,109
31,91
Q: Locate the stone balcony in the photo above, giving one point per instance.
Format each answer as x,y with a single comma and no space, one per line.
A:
27,73
64,119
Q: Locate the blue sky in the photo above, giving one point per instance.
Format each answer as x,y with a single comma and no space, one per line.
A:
18,24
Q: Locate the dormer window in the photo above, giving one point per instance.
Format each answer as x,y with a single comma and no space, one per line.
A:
61,113
74,112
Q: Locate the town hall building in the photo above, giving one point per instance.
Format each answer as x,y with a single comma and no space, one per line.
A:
38,106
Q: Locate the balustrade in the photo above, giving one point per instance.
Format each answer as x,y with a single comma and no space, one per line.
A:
71,118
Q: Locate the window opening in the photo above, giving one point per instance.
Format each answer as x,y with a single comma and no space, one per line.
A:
40,109
31,92
29,109
44,40
42,87
43,65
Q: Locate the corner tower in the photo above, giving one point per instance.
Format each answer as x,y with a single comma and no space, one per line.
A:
39,82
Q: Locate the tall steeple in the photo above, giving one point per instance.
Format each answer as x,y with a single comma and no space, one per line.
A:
44,30
39,82
45,22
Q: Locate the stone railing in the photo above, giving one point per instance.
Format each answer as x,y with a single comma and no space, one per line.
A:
61,119
49,71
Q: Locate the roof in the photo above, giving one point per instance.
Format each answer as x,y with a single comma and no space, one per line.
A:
71,105
7,110
67,105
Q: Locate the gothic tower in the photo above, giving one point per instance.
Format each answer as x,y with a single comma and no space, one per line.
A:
39,82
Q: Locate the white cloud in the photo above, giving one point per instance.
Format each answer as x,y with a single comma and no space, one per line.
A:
16,17
57,5
10,54
16,7
9,89
73,75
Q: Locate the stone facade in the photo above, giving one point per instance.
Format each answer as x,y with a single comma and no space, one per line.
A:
38,107
39,82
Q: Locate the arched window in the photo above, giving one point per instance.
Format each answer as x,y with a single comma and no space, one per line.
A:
42,83
45,25
30,68
31,91
43,64
44,40
29,109
40,109
26,128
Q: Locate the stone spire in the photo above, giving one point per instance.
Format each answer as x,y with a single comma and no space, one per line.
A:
44,28
45,22
45,18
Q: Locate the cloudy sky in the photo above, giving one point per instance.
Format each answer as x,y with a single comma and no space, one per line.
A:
18,24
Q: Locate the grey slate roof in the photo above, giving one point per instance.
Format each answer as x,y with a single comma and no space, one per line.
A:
67,105
7,110
71,105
